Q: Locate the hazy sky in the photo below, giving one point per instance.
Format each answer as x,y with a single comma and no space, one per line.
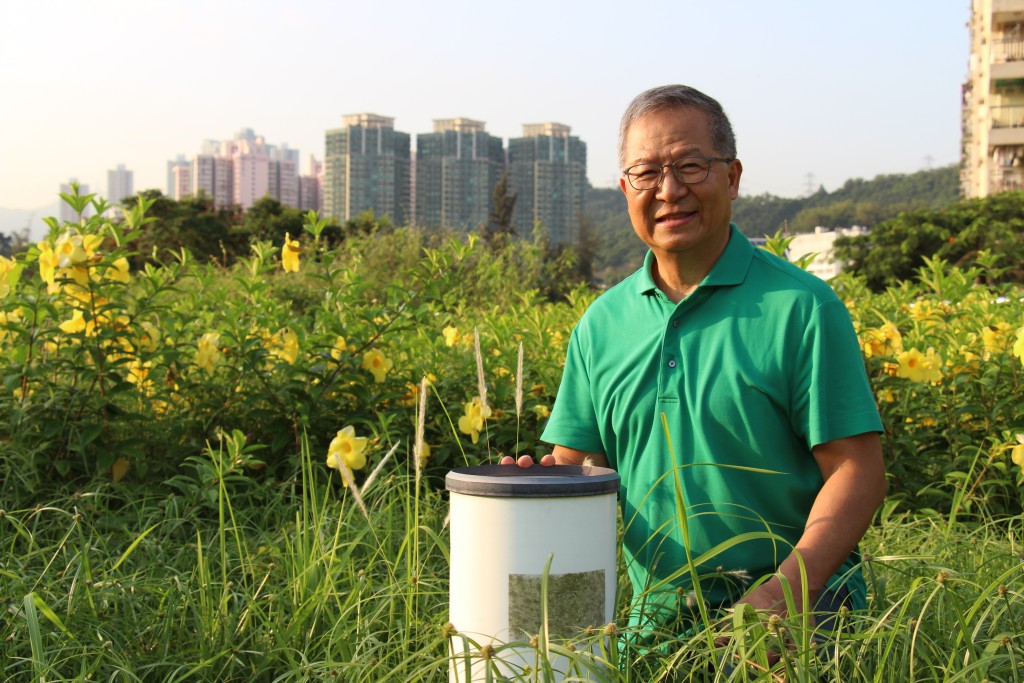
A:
818,91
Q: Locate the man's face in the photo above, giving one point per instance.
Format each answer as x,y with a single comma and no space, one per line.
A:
682,220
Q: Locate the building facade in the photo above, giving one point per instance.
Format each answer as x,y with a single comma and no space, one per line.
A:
310,192
457,167
120,184
367,168
547,169
992,153
238,172
821,244
172,177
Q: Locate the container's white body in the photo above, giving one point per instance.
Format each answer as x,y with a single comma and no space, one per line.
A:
494,538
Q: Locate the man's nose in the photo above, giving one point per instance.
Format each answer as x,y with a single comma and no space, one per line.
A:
671,188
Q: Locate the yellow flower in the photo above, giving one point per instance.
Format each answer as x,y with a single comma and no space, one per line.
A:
472,422
290,254
918,367
6,266
887,395
1017,454
970,358
541,411
119,270
346,450
47,263
1018,346
89,244
882,341
69,250
138,374
340,346
148,338
451,336
285,345
208,353
424,456
76,324
5,319
377,364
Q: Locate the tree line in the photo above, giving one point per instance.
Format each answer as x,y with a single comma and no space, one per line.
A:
911,217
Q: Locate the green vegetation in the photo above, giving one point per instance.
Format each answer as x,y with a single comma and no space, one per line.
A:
991,229
167,512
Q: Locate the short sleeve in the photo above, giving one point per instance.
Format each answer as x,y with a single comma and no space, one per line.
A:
573,422
832,397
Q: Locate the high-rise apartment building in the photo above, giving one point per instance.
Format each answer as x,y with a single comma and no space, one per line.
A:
181,181
367,168
214,174
283,174
310,192
548,172
238,172
457,167
172,178
120,184
992,154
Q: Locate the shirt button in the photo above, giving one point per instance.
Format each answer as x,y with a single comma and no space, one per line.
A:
675,323
671,363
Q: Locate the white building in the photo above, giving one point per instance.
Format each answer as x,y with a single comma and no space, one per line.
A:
821,243
992,126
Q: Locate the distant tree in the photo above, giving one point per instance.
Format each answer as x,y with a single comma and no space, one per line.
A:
499,224
192,223
588,243
367,223
896,248
269,220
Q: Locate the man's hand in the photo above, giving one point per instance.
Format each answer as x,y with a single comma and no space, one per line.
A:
559,455
769,597
527,461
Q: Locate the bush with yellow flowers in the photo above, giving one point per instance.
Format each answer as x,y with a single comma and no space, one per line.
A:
126,374
946,359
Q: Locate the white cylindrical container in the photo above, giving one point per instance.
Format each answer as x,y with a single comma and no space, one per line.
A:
506,523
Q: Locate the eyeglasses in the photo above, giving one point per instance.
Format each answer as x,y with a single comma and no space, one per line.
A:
688,171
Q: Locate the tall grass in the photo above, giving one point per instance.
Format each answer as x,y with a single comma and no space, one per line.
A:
232,579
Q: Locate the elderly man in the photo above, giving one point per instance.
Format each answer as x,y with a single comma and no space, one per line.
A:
722,379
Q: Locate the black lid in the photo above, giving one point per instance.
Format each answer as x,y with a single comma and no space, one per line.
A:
538,481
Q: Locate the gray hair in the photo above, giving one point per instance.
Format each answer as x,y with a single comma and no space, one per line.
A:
679,97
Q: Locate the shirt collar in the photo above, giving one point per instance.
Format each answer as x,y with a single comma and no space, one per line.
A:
730,269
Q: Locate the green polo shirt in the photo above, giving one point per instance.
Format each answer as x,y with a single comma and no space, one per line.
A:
750,371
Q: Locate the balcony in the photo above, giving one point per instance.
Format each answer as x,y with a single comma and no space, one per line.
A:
1011,116
1005,179
1009,49
1007,10
1007,126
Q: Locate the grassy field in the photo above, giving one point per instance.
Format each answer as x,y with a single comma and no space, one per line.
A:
234,472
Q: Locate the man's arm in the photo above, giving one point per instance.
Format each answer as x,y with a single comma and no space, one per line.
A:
854,487
559,455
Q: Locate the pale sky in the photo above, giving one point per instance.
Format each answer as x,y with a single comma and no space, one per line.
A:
817,91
